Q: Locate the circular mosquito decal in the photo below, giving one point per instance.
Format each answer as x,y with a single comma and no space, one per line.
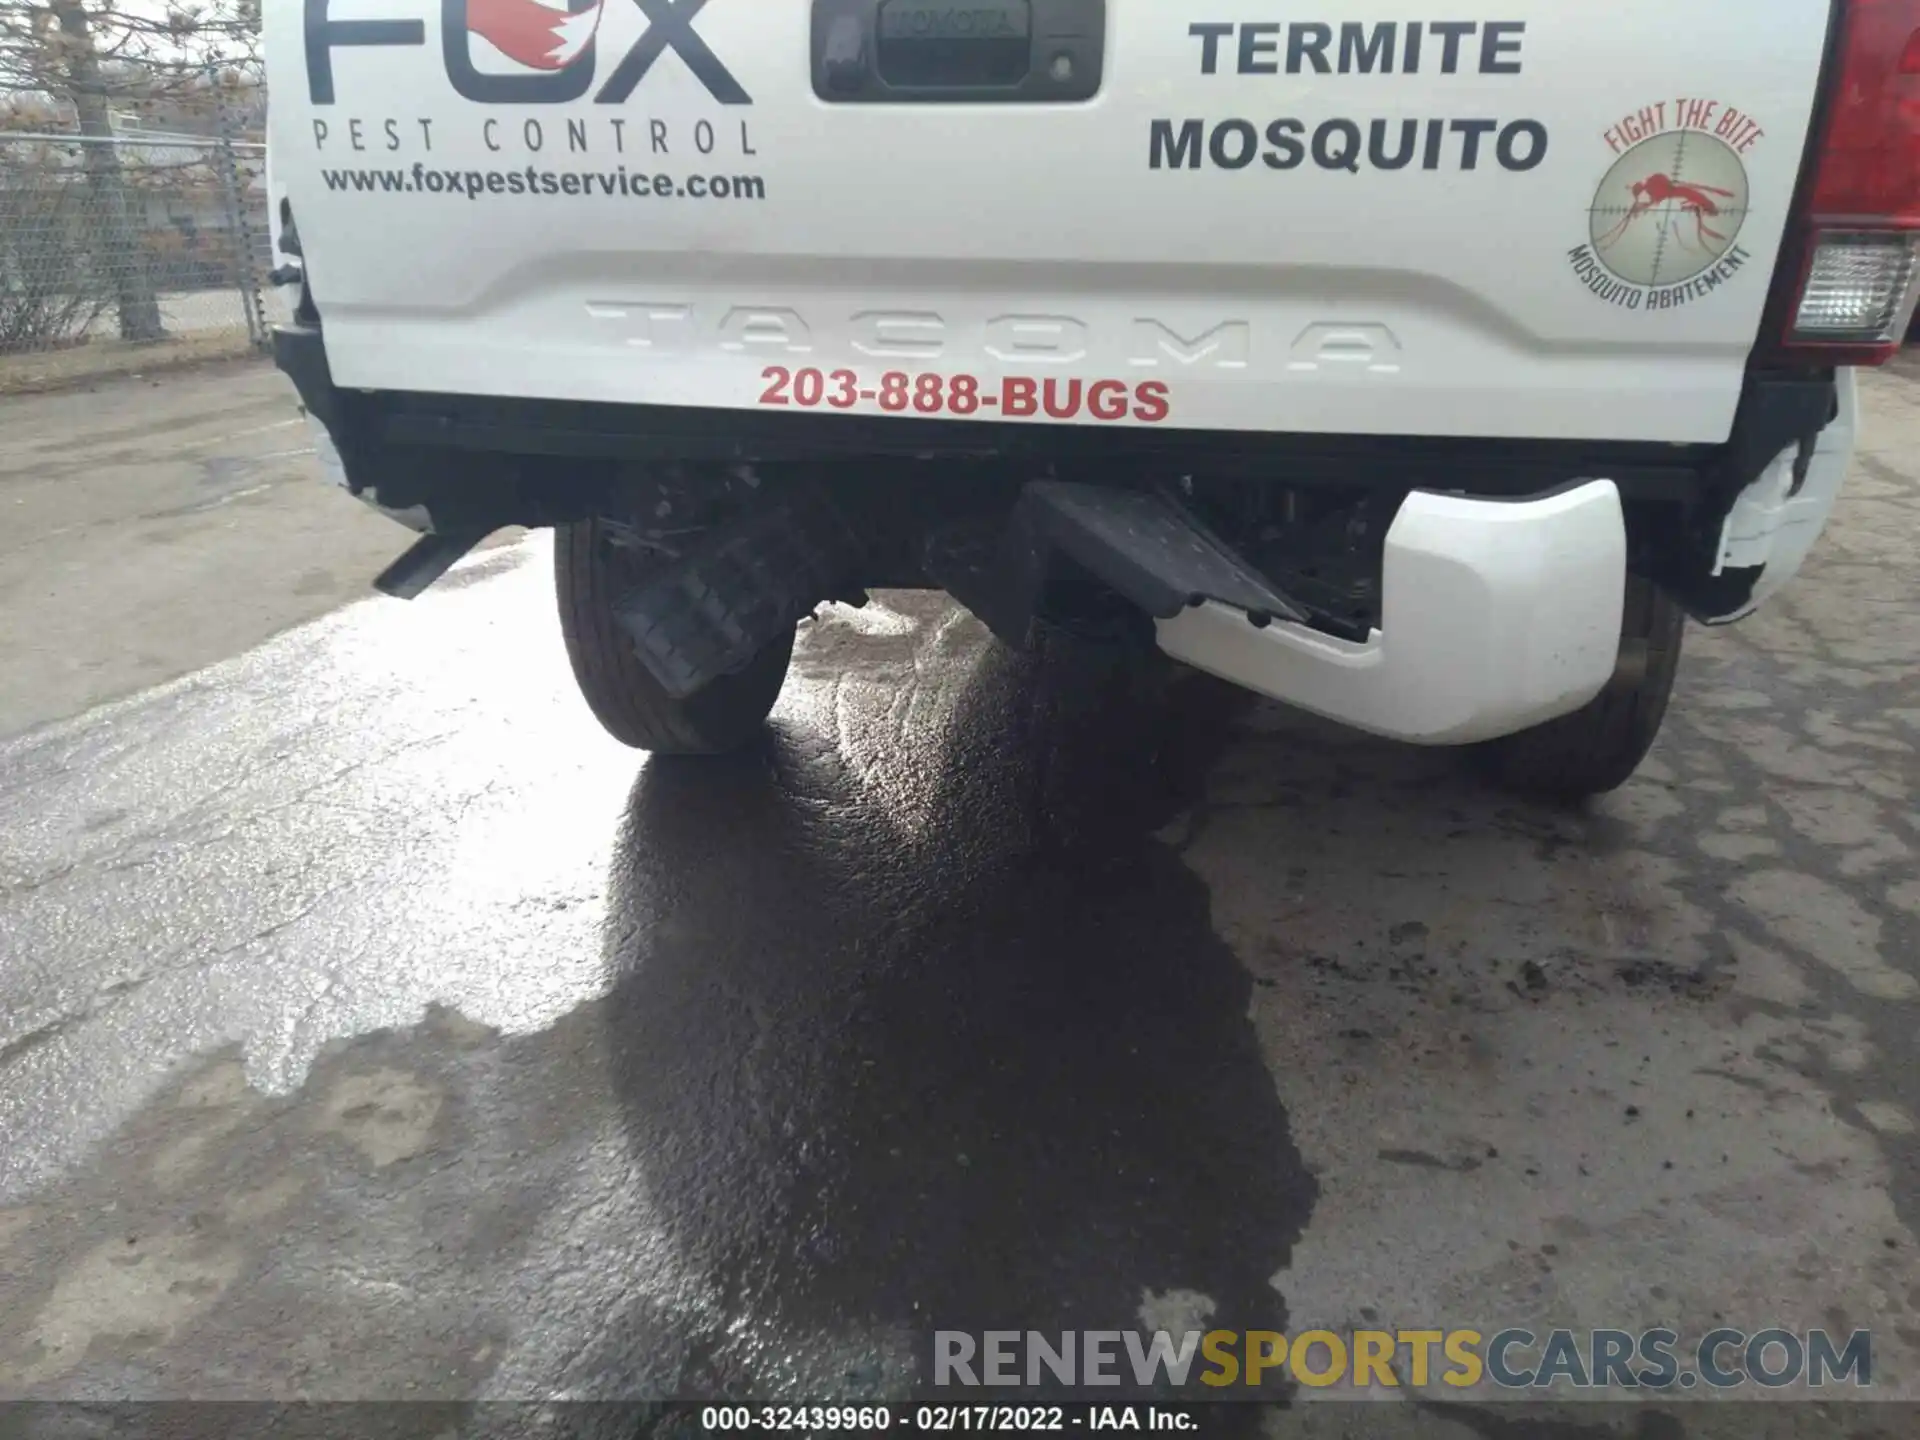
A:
1669,208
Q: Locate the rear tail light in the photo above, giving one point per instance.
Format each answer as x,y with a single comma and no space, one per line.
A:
1859,288
1859,234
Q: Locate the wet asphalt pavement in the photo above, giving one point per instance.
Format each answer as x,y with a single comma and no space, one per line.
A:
370,1026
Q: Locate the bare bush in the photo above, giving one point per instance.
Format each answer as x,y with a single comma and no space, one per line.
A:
52,290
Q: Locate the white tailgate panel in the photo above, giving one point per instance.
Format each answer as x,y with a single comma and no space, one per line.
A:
1535,294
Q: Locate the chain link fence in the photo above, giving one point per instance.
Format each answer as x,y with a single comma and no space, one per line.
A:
128,251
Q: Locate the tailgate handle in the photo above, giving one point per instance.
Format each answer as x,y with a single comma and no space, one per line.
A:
964,44
957,51
844,62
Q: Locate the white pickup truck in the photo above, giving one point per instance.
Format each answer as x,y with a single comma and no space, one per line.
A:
1423,368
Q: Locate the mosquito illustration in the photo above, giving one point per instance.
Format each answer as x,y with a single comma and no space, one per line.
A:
1695,200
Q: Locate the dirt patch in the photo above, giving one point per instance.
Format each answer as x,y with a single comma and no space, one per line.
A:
58,369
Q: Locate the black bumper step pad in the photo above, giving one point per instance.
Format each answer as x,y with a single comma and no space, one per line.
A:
1146,546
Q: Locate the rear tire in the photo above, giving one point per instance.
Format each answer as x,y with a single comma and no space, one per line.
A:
590,573
1599,746
1092,742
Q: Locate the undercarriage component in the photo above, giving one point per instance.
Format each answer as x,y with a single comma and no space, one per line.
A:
425,561
591,570
740,587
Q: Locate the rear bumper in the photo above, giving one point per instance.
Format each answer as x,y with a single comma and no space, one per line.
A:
1495,615
1496,611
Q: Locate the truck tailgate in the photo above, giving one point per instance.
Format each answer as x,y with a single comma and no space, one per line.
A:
1553,221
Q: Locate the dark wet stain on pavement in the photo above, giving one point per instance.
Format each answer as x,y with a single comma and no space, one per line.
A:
946,1043
977,1081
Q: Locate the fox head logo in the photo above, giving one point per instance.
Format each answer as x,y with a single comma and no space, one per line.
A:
539,34
550,41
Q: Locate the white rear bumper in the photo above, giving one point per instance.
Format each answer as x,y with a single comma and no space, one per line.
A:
1495,615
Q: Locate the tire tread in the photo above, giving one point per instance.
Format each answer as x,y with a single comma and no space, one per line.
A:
1599,746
